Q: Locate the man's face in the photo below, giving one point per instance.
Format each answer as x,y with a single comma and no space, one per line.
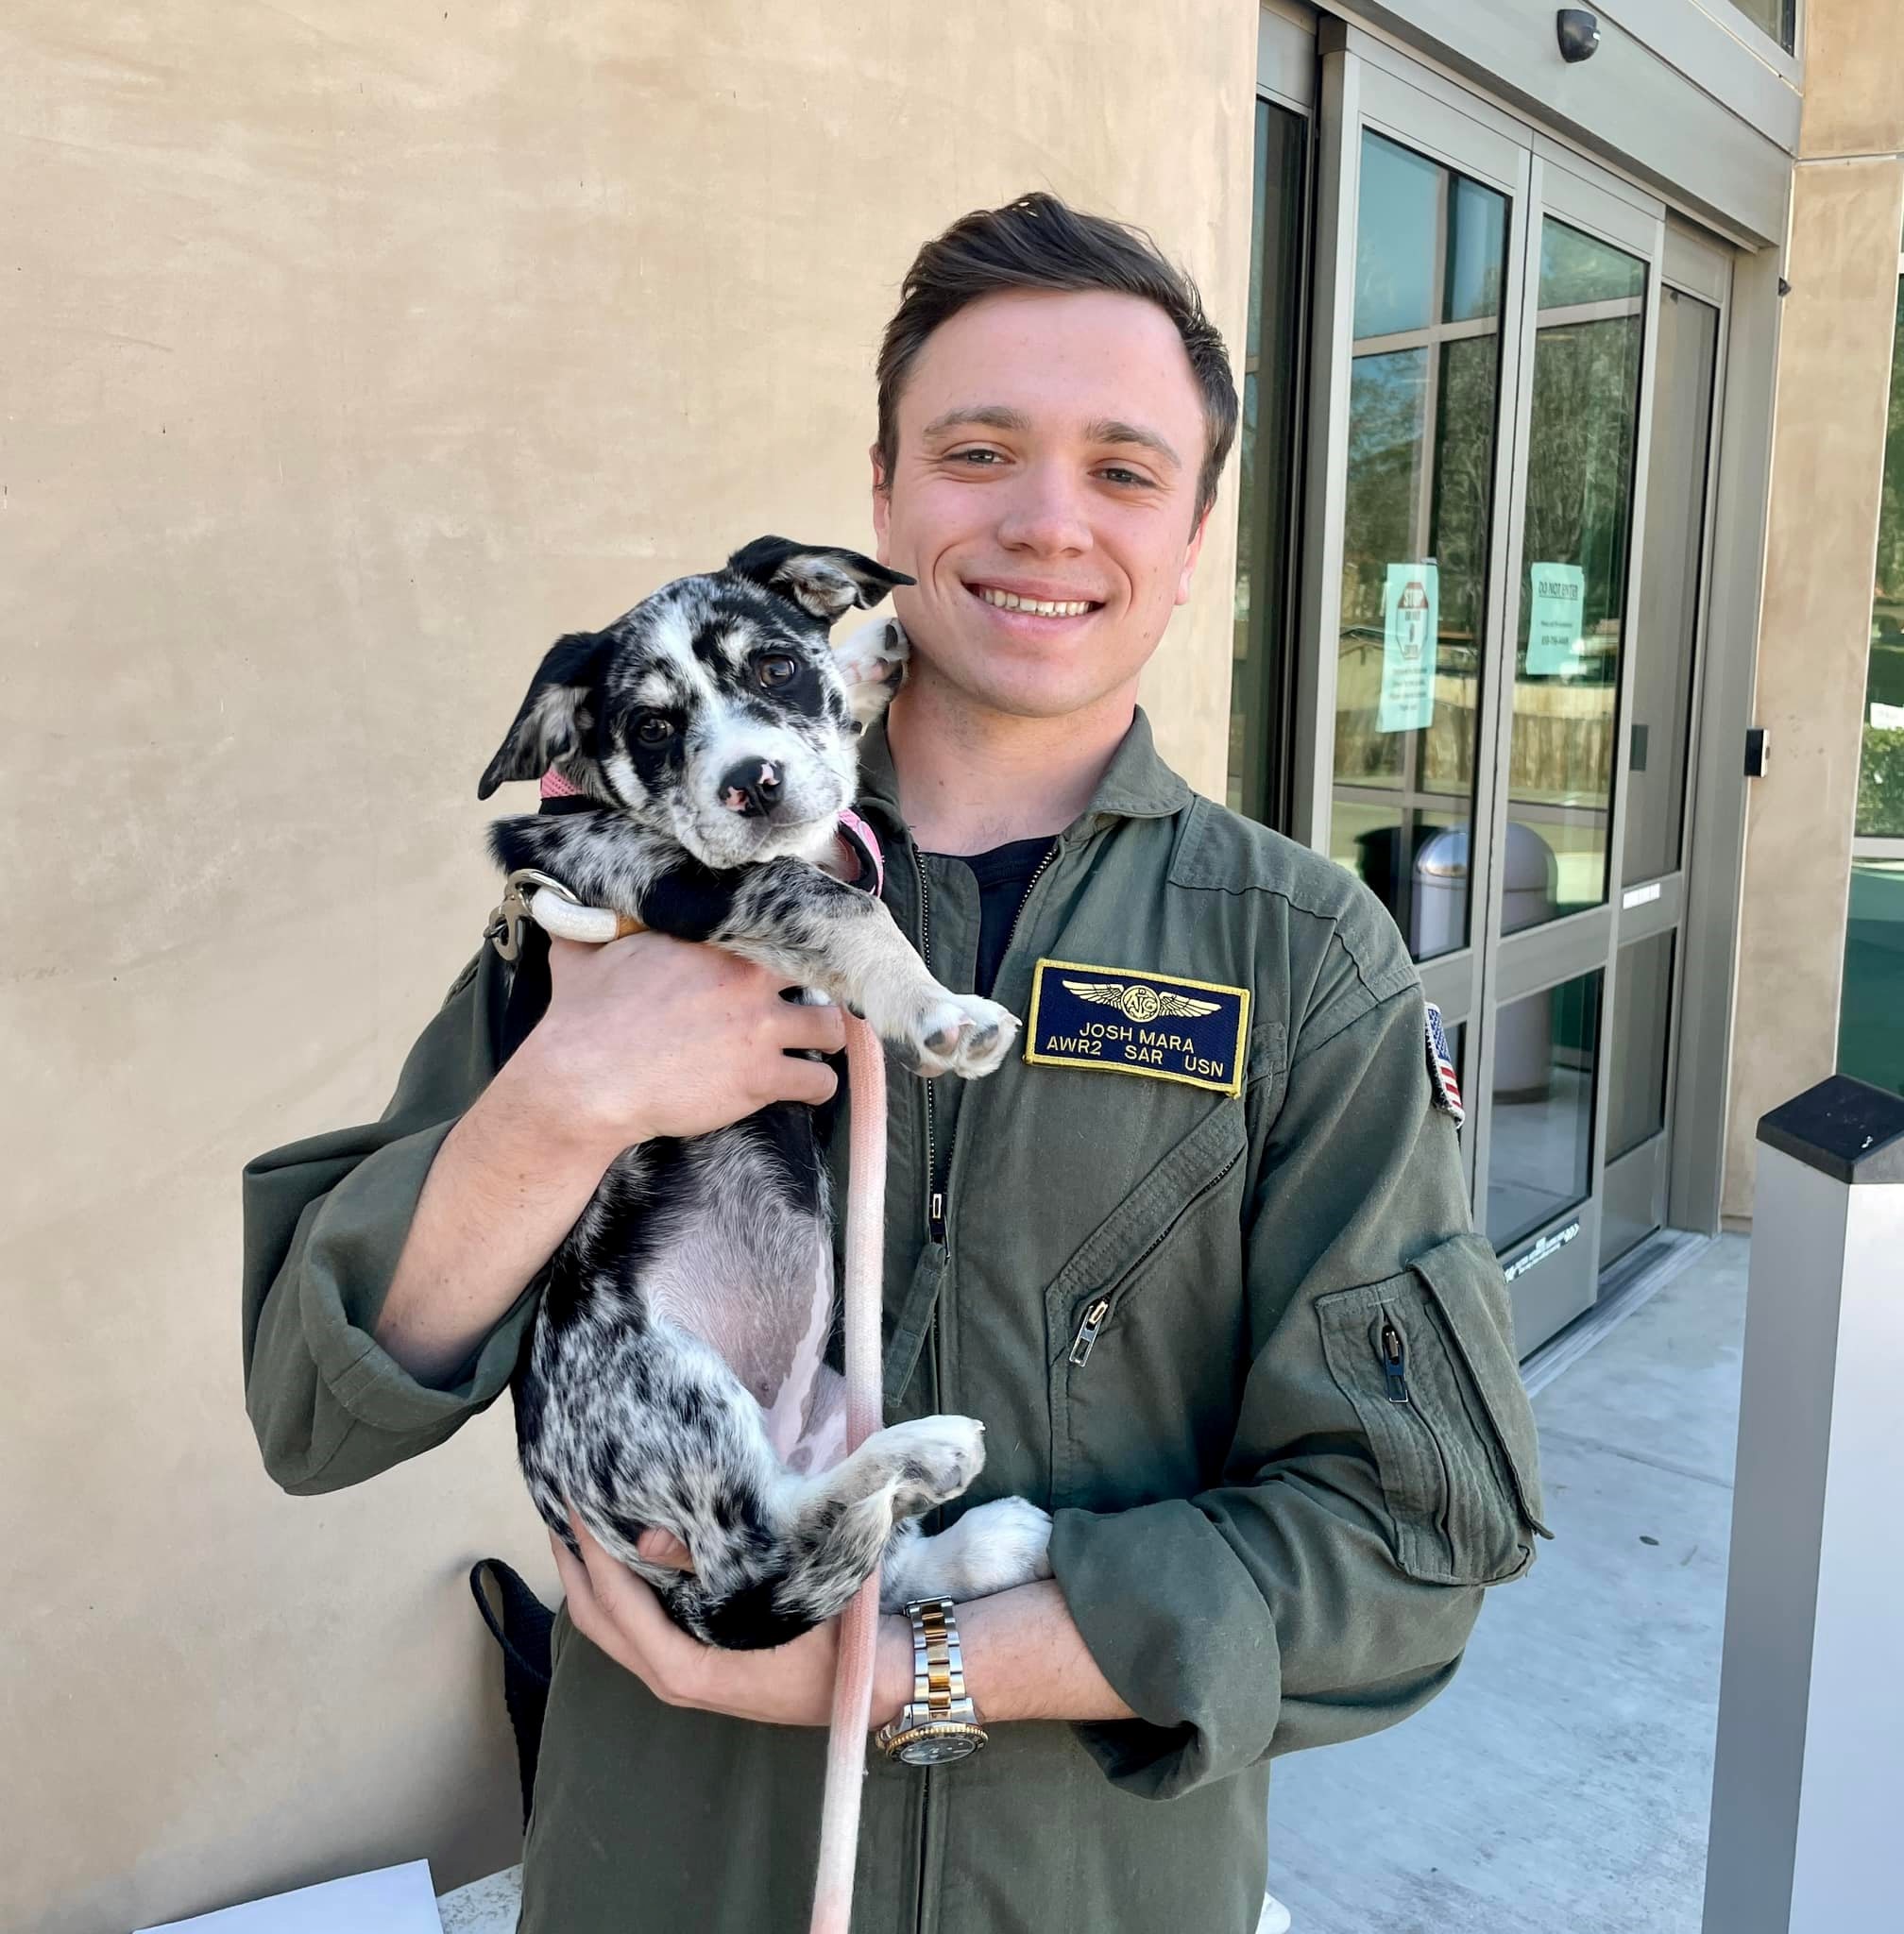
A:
1049,452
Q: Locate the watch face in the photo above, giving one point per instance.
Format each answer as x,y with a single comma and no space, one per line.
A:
939,1749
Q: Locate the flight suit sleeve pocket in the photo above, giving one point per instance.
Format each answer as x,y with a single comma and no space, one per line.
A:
1426,1360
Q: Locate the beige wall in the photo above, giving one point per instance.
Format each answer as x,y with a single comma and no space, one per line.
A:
349,358
1834,361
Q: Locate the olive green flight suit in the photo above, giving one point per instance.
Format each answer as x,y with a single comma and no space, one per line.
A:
1175,1310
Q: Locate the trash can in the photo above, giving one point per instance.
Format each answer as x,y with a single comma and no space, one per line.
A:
1523,1043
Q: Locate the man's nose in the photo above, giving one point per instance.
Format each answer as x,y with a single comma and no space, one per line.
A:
1047,515
750,788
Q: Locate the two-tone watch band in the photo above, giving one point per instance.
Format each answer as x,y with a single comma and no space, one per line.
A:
939,1722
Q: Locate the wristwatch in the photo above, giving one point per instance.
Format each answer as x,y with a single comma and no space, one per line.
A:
938,1724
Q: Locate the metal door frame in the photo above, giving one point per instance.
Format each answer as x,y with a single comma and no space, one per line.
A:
1427,115
1368,83
1556,1267
1701,269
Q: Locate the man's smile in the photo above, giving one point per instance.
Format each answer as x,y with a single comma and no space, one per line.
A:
1049,604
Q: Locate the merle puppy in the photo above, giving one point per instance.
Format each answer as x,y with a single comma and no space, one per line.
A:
675,1376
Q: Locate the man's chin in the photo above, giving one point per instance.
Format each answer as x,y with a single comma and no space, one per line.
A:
1033,698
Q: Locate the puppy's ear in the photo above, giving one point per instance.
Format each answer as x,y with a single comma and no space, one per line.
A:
553,716
820,578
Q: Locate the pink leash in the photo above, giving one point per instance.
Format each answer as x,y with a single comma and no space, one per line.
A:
859,1623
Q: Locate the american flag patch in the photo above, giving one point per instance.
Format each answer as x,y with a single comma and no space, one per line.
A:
1445,1089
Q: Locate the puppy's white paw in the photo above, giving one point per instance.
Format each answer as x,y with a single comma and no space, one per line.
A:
961,1034
932,1459
992,1548
872,662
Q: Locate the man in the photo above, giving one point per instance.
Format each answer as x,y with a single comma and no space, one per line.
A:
1201,1257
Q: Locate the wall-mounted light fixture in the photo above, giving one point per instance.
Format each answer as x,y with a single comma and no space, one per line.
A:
1579,34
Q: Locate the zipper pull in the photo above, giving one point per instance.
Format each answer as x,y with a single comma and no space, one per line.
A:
1394,1361
935,1217
1087,1331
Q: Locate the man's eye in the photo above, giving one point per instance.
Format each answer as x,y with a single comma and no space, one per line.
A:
776,669
978,459
651,729
1116,473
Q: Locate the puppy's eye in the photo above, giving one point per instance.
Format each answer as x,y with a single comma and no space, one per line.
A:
776,669
651,729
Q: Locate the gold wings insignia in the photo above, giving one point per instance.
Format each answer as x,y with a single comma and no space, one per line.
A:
1168,1003
1136,1001
1107,994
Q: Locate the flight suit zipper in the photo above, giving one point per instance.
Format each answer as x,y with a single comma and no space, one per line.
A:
936,1210
1098,1311
1394,1353
935,1197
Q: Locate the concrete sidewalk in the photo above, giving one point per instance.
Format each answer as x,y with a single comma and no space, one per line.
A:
1562,1784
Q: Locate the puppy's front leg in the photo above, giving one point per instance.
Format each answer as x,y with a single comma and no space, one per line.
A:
790,916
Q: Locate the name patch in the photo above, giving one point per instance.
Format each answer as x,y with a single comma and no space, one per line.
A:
1130,1020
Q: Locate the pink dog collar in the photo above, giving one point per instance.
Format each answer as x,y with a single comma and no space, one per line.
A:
860,839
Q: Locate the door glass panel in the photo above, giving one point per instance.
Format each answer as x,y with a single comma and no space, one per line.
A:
1396,222
1871,1010
1541,1136
1580,451
1423,406
1636,1101
1778,17
1881,771
1260,648
1871,1013
1666,623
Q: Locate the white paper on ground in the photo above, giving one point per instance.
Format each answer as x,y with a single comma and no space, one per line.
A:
392,1900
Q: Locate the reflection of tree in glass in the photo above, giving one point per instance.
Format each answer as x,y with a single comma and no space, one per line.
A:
1887,608
1580,471
1387,400
1387,396
1576,268
1880,770
1464,480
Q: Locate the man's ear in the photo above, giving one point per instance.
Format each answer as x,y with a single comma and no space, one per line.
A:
882,502
1191,555
821,579
554,715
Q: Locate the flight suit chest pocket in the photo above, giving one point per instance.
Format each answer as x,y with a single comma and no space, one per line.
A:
1145,1327
1426,1360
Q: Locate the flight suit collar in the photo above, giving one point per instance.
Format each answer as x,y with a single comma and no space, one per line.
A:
1136,785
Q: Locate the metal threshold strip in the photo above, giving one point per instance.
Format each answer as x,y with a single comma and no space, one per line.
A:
1631,1283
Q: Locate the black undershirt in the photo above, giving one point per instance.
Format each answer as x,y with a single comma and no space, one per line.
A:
1003,875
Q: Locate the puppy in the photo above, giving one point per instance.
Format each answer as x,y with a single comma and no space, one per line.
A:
675,1374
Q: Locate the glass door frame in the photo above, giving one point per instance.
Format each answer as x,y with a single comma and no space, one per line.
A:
1554,1268
1368,85
1642,1175
1418,110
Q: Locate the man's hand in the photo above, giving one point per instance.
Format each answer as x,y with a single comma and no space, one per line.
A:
648,1037
790,1686
642,1037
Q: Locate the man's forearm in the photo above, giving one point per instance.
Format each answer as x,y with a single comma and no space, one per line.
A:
1025,1658
503,1191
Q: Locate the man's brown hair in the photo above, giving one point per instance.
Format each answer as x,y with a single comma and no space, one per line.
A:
1040,242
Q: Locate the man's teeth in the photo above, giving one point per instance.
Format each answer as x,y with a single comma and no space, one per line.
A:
1040,607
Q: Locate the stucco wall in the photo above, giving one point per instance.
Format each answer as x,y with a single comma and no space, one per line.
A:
349,358
1834,363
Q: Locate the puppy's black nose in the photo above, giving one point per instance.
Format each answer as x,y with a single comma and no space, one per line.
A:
752,788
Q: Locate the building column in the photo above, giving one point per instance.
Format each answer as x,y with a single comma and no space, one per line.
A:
1829,427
